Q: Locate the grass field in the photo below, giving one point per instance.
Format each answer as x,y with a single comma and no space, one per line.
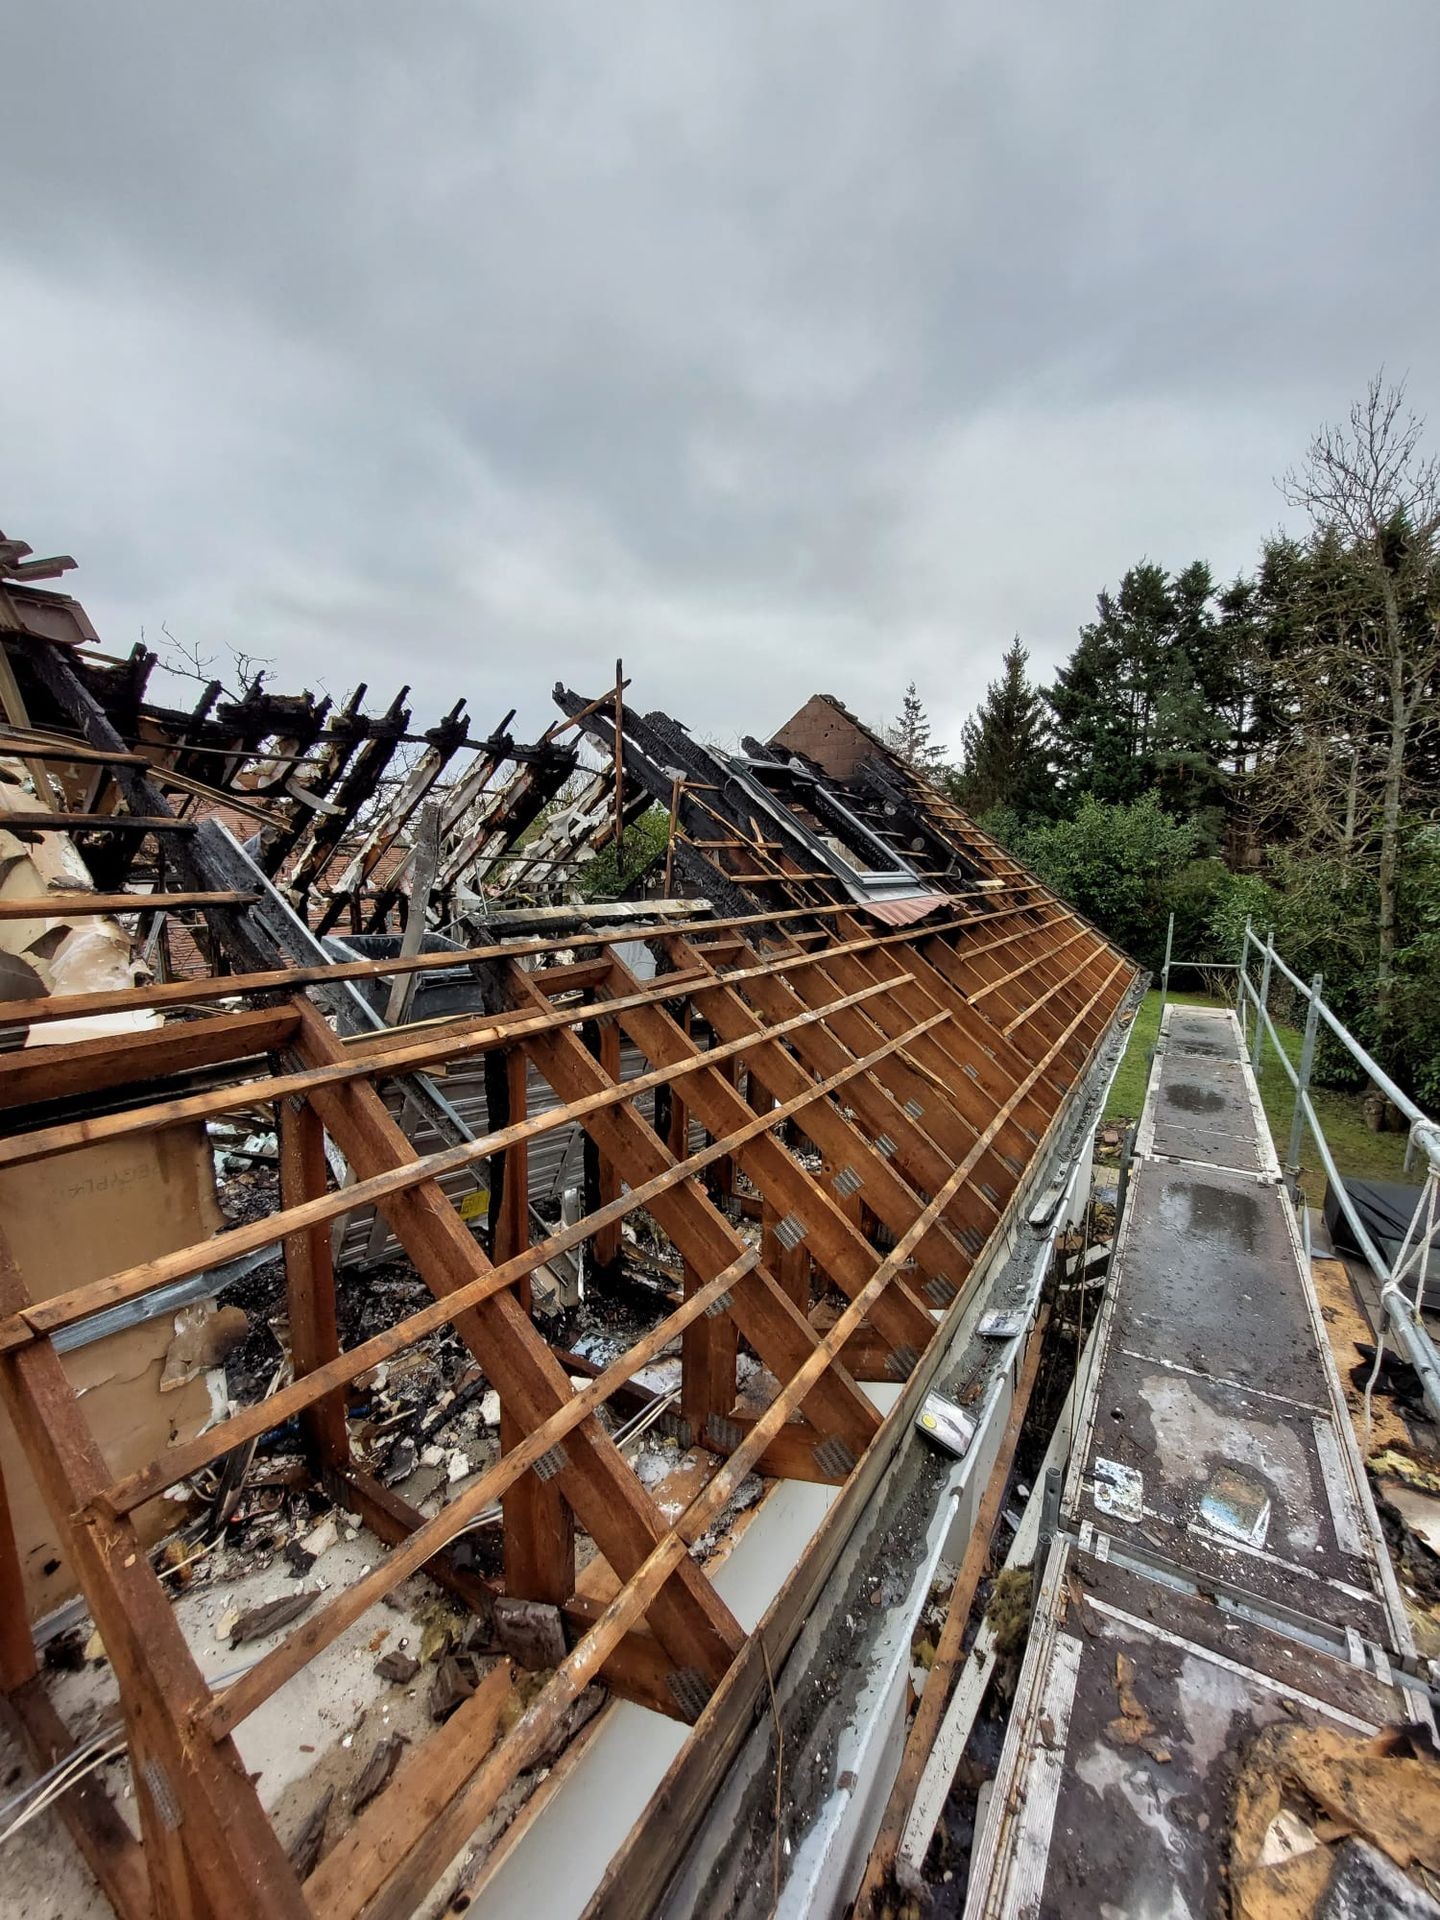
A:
1376,1156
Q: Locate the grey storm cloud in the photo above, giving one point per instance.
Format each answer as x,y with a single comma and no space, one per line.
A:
811,346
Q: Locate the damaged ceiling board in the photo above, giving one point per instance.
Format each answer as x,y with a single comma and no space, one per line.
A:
68,1220
83,955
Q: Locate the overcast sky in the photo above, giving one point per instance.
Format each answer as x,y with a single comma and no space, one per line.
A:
777,348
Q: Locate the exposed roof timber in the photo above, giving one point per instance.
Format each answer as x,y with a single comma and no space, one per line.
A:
786,857
667,1187
319,774
581,931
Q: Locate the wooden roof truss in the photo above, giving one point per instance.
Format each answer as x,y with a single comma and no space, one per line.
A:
925,1068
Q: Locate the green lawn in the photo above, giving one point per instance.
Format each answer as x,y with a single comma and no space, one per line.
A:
1378,1156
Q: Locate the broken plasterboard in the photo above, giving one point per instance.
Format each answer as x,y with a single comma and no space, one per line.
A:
76,1218
85,955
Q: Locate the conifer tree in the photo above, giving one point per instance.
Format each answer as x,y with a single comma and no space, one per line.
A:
1004,761
1140,707
910,736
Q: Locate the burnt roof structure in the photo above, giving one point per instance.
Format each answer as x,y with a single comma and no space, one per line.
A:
826,813
834,1102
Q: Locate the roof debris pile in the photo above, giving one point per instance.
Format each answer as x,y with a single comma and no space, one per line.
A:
557,1240
1330,1821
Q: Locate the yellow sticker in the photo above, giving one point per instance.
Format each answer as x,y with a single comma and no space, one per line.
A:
475,1204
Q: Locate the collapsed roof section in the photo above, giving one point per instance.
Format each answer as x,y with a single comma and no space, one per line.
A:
906,809
351,814
826,813
915,1115
344,810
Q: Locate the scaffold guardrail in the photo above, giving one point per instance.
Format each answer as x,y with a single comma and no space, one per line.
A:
1402,1279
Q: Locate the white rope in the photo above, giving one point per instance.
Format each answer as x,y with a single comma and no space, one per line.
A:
646,1418
70,1773
72,1767
62,1765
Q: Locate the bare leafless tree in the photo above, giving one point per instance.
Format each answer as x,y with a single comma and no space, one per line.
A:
184,660
1370,484
1371,474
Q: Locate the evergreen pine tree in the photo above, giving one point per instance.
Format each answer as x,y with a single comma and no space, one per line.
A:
1105,699
1004,761
1143,704
910,736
